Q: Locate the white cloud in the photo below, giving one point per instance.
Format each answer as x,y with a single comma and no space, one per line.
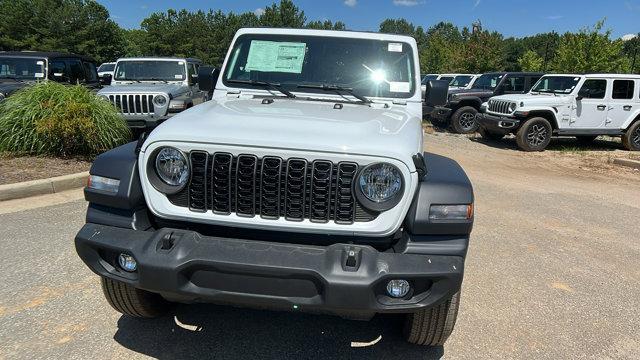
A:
476,3
628,37
407,2
258,11
554,17
351,3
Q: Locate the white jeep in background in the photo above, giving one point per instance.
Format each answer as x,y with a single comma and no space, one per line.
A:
149,90
584,106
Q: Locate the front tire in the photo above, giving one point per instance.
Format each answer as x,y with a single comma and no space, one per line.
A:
463,120
432,327
534,134
131,301
631,139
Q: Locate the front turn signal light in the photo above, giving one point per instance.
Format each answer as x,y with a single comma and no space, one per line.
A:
451,212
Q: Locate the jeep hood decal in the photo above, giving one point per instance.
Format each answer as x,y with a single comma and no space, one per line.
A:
298,124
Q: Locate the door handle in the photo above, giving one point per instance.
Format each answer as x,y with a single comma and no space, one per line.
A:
602,107
627,107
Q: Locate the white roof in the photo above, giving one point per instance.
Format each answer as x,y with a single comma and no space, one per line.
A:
610,76
332,33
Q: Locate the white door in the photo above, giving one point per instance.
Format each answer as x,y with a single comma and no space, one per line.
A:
590,110
622,104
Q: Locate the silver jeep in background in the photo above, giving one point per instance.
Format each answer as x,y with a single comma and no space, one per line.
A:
149,90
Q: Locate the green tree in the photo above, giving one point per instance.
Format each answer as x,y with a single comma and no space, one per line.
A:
285,14
481,52
326,25
79,26
590,50
631,49
531,61
397,26
442,49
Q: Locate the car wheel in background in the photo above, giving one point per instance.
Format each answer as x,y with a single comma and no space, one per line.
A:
490,135
631,139
464,120
432,327
534,134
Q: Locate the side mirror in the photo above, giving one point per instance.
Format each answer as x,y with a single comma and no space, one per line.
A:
579,97
105,80
436,93
207,78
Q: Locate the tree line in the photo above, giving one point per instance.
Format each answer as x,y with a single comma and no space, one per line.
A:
85,27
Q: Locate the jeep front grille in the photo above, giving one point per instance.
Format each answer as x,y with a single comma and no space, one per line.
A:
500,106
272,188
133,104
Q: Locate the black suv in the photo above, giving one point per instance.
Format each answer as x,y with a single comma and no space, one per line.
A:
464,104
21,68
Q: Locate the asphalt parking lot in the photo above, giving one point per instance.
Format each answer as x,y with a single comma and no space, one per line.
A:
552,273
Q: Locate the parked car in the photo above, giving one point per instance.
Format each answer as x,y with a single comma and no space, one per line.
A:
584,106
302,186
463,81
463,105
22,68
149,90
106,69
428,77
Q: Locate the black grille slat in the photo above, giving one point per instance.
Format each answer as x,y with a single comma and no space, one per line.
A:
295,187
345,201
272,188
320,196
198,181
245,185
270,183
221,183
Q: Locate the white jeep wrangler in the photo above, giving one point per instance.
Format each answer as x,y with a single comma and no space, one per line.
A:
583,106
302,185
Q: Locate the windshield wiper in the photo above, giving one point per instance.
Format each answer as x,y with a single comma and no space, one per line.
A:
156,79
337,89
275,86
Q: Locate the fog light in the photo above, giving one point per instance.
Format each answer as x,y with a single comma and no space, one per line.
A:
398,288
127,262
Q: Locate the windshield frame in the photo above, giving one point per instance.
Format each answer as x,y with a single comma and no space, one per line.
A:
230,61
499,76
575,78
112,65
468,77
33,58
164,79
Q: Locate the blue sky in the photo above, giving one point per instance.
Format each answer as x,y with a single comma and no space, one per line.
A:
512,18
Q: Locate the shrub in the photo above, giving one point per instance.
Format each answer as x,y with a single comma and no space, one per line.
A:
54,119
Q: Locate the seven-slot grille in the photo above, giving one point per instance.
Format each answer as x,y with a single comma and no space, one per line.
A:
133,104
500,106
272,188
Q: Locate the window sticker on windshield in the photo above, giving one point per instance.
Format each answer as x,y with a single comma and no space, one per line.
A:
399,86
38,75
395,47
273,56
180,62
40,62
178,76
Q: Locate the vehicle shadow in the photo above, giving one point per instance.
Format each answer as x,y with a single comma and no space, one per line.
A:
561,144
219,332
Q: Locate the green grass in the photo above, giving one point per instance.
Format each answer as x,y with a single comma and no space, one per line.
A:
54,119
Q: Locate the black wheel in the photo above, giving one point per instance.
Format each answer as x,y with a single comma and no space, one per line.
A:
534,134
631,139
586,139
432,327
463,120
134,302
490,135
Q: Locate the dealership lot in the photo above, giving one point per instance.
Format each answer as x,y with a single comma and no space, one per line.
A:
552,273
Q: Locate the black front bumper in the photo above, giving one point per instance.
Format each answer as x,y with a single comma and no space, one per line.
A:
438,113
498,124
185,266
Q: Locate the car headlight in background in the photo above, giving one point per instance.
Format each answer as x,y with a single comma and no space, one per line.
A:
172,167
451,212
512,107
379,186
159,100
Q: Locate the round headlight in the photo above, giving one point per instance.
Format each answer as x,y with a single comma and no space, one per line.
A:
159,100
172,167
379,186
512,107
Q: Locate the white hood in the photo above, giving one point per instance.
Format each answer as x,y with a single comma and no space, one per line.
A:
299,125
536,99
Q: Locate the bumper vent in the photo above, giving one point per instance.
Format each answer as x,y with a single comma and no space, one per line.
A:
272,188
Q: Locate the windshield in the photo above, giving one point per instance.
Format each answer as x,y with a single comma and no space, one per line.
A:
487,81
106,67
370,68
556,84
150,70
429,77
18,68
461,80
446,78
